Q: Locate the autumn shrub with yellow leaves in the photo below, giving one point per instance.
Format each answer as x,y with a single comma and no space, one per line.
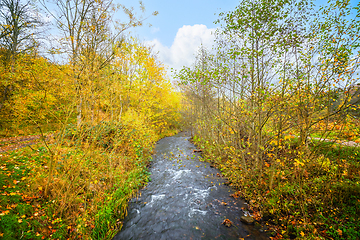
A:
38,93
315,196
96,103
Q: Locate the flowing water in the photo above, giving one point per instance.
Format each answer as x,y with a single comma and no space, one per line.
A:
186,199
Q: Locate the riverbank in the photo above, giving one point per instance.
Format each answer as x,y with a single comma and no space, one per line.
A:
78,187
313,199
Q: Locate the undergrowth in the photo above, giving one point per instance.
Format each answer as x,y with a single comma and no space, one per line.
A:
317,197
78,186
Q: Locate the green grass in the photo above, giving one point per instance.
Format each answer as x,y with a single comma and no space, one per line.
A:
19,206
93,179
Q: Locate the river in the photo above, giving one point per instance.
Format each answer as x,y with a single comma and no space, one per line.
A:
186,199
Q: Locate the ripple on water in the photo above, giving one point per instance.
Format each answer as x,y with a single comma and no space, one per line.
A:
177,174
155,198
194,211
198,199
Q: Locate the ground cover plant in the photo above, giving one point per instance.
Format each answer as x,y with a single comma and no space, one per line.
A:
84,192
318,198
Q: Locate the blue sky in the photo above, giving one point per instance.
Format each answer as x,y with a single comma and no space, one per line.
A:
176,32
175,14
180,27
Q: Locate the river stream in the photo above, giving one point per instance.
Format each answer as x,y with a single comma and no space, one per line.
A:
186,199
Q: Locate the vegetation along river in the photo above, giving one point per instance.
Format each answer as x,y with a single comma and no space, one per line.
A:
186,199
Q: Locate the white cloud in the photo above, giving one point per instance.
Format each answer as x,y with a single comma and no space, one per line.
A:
185,46
155,29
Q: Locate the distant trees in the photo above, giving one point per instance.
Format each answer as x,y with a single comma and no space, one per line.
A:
276,66
89,38
19,26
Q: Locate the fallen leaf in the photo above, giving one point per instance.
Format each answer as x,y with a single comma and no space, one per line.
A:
227,223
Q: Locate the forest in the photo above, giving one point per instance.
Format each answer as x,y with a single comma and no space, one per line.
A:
274,105
90,107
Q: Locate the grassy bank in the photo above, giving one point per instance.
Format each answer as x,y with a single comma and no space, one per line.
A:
78,186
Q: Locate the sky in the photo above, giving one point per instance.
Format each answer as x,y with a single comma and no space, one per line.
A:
176,33
180,27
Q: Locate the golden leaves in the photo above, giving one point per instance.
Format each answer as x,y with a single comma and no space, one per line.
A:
227,223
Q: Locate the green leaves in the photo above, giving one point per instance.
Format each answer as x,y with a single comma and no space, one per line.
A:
280,72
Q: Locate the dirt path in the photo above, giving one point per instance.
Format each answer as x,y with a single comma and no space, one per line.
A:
342,142
14,143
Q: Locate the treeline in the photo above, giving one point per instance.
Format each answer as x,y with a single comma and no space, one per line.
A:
39,93
98,98
270,104
96,67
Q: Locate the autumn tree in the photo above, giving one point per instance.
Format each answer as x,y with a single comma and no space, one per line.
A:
19,31
90,36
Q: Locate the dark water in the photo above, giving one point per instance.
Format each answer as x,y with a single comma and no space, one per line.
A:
186,199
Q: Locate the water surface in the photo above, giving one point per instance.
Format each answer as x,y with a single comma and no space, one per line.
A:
186,199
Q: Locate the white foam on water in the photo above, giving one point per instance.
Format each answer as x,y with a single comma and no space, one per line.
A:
186,195
155,198
201,194
194,211
197,197
179,173
247,214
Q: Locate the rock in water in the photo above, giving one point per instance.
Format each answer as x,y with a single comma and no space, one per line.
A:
247,220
